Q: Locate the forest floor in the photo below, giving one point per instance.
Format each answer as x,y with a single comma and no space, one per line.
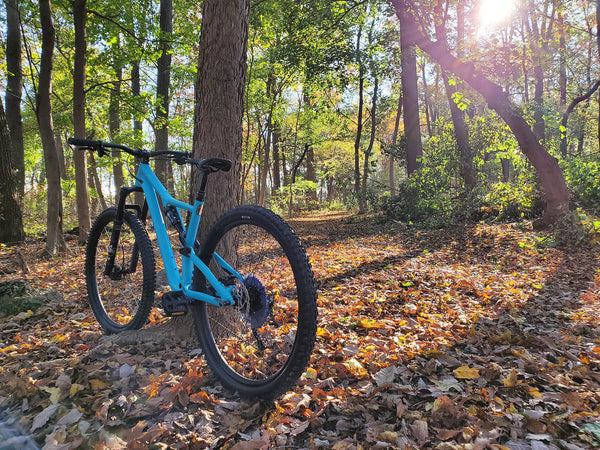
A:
483,336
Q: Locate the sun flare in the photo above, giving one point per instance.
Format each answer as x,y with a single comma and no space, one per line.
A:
494,12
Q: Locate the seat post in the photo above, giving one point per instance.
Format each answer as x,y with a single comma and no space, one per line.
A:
202,191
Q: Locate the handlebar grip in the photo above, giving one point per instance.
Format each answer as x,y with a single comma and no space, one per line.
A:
84,142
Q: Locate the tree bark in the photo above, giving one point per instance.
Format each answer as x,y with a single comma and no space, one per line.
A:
11,216
79,157
54,229
551,179
412,125
14,91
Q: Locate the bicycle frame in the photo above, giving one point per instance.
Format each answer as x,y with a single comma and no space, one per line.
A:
178,281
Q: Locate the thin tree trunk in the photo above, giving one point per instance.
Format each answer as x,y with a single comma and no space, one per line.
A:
562,56
93,171
394,146
14,90
79,157
311,173
369,150
161,129
11,216
54,230
359,119
276,163
426,102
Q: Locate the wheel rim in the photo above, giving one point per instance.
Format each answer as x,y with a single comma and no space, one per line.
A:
120,292
256,337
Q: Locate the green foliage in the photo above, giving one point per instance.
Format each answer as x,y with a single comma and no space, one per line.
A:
583,178
512,201
298,192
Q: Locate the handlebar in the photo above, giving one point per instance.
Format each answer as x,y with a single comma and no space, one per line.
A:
207,165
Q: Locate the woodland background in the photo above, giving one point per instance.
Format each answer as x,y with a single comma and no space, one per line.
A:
323,125
445,320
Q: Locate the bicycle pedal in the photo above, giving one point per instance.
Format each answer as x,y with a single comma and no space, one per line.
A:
175,303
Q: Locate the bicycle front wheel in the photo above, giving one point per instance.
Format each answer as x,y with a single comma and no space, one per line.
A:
122,296
261,345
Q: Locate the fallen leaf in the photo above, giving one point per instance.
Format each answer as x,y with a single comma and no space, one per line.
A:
42,418
466,373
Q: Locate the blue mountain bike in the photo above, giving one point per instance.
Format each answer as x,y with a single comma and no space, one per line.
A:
249,284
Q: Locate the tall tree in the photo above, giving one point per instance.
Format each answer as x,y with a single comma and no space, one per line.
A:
79,157
54,230
163,81
410,93
359,118
540,27
11,216
457,107
14,90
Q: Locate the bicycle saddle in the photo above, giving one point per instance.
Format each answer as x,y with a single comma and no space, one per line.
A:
211,165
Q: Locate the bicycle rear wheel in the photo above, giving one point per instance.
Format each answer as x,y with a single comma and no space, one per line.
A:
261,345
121,300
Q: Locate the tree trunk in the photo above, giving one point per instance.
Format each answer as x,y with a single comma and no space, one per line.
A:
562,58
11,216
369,150
220,101
276,163
551,180
461,133
79,157
54,230
412,125
95,181
311,173
359,119
161,129
394,146
14,90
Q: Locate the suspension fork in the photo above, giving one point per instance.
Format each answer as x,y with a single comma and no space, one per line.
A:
109,268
